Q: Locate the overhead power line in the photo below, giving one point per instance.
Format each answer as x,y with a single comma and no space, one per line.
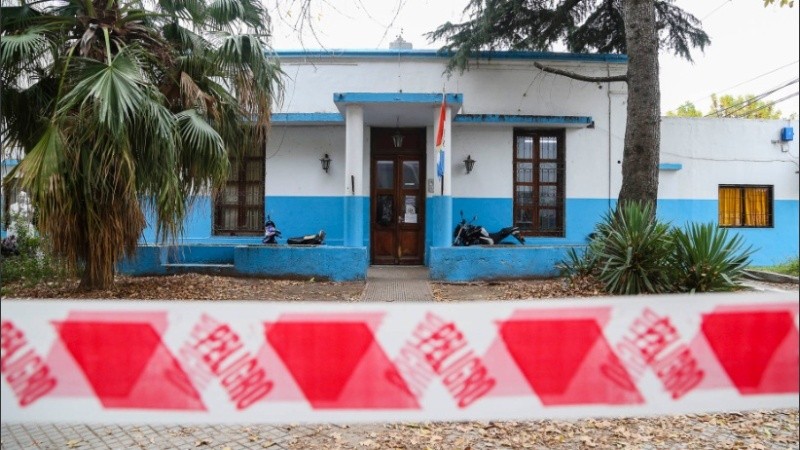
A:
768,105
716,9
743,104
742,83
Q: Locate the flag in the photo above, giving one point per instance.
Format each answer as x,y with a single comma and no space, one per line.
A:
440,138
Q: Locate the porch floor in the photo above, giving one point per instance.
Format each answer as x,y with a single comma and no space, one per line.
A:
397,284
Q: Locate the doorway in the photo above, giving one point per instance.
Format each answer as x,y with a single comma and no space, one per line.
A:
397,196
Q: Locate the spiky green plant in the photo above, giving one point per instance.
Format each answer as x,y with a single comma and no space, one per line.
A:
578,263
635,251
125,104
707,259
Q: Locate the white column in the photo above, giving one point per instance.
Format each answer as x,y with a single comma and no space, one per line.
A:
354,150
448,152
442,202
354,177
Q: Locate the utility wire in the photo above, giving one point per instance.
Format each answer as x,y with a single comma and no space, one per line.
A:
752,79
753,100
743,82
716,9
768,105
743,104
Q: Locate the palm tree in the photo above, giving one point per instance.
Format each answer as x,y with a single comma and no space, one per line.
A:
123,106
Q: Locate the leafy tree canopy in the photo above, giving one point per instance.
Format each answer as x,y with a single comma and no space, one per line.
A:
581,25
742,106
119,102
782,3
685,110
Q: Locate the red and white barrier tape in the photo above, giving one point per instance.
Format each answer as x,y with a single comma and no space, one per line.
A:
200,362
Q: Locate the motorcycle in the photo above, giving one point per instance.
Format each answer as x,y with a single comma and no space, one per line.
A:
271,233
309,239
466,233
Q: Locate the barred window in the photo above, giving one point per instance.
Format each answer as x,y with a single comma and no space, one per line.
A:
239,208
745,206
539,182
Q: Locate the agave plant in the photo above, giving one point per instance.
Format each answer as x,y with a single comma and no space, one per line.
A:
635,251
125,104
707,259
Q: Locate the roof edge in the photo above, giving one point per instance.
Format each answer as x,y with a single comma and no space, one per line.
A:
436,54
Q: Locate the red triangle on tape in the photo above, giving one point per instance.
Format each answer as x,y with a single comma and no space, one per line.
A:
748,343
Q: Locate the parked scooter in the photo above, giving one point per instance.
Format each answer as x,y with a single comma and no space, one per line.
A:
271,233
466,233
309,239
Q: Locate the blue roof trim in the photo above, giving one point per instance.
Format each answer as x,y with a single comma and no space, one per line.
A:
523,119
670,166
333,118
552,56
395,97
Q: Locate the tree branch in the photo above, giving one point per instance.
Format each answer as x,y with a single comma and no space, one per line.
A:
580,77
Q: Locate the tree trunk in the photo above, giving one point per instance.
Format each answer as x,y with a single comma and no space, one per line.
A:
643,130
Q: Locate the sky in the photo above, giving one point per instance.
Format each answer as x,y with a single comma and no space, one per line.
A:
754,49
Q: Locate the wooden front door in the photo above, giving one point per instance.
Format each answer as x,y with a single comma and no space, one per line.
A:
397,194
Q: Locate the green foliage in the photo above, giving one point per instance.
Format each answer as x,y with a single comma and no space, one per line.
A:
685,110
789,267
123,104
34,264
582,25
705,259
579,263
635,251
782,3
742,107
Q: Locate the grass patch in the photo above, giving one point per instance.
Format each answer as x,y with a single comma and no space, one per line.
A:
789,267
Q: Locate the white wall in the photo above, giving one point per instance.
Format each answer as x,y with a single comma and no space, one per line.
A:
492,87
498,87
726,151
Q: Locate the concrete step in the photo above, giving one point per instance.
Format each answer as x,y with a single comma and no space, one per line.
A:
208,269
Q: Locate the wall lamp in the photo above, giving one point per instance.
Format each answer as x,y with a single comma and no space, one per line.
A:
469,163
397,136
326,162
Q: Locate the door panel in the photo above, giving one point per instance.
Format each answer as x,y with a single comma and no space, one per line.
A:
397,224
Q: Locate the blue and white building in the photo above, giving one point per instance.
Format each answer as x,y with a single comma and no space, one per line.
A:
351,150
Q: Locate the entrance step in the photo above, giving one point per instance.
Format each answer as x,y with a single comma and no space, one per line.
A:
206,269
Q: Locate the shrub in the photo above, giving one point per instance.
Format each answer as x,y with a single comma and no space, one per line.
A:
34,263
790,267
634,251
578,263
706,260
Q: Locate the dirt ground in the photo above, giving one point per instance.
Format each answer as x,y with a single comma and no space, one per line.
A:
208,287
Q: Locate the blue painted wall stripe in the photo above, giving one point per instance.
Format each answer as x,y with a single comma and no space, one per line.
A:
306,215
286,118
522,119
395,97
552,56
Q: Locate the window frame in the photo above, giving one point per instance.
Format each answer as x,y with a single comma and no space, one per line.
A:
742,188
241,183
536,183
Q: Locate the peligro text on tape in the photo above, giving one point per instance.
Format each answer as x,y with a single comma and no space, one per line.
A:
274,362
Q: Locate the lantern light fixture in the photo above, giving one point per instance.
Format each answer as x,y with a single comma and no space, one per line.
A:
326,162
397,136
469,163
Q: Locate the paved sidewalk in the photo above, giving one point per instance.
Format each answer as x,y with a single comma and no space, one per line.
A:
397,283
384,284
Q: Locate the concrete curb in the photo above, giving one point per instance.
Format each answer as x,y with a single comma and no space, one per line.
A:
772,277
